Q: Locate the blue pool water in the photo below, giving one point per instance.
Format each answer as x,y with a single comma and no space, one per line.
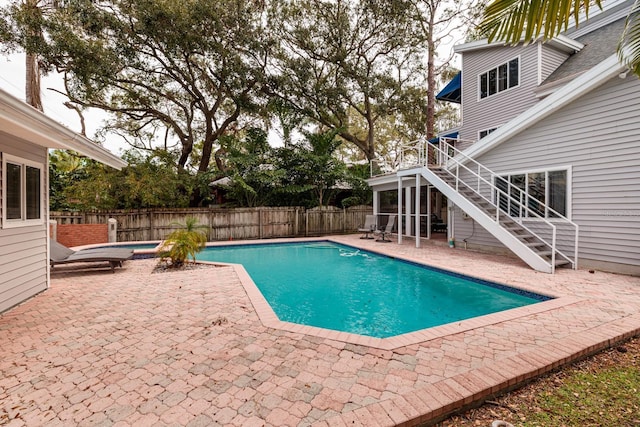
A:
338,287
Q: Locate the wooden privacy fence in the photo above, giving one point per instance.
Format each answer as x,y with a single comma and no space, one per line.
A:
226,224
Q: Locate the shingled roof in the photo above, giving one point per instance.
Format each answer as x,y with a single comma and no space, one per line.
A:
598,46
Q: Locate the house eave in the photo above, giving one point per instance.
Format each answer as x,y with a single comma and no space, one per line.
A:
565,44
560,42
382,179
573,90
25,122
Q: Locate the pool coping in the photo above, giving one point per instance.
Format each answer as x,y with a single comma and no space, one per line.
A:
443,375
270,319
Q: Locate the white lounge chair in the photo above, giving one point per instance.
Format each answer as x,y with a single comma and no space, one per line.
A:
391,222
60,254
369,227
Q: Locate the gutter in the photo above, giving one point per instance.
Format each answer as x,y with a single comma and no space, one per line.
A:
560,42
32,125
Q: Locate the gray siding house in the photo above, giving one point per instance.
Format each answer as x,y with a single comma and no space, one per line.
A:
25,137
546,164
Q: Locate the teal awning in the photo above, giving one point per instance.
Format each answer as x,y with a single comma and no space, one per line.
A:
452,91
452,135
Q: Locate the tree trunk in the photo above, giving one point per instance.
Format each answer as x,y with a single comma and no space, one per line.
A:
371,147
187,148
431,74
32,77
32,82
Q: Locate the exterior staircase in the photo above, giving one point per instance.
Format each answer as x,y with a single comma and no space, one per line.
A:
471,187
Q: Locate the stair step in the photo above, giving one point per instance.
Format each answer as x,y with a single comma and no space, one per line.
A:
561,262
543,253
511,226
535,244
524,236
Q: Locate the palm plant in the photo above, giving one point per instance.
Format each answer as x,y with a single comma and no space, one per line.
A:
515,21
184,243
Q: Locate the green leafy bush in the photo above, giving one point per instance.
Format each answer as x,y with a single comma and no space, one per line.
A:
184,243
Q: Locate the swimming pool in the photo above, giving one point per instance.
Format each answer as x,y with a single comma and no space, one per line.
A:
333,286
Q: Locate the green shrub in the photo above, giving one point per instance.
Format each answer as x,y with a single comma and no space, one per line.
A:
184,243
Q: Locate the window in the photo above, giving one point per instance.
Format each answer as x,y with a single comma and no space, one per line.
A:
533,194
485,132
22,189
501,78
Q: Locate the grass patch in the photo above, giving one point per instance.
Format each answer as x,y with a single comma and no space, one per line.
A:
603,390
610,397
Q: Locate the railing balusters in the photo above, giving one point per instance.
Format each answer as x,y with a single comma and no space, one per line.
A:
448,157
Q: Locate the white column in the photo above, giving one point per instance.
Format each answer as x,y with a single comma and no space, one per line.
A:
450,219
428,211
417,210
112,230
376,205
376,202
400,210
408,210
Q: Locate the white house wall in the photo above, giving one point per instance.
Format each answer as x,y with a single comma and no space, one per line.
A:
23,250
598,136
550,59
496,110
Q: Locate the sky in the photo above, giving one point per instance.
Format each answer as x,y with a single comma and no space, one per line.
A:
12,80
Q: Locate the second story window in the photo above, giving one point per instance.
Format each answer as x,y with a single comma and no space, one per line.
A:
503,77
485,132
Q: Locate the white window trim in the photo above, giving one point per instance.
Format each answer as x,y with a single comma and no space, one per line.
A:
525,172
479,94
539,63
23,221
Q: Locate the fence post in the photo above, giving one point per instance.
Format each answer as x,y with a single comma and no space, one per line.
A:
344,220
150,212
306,223
259,223
53,229
210,228
112,230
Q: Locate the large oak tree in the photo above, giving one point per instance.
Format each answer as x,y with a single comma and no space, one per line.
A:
179,70
343,58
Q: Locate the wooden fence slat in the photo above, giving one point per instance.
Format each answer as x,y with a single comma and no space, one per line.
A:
226,224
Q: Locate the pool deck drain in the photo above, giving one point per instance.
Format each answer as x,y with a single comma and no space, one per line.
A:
189,348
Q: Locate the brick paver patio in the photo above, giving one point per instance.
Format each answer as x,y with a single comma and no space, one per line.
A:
189,348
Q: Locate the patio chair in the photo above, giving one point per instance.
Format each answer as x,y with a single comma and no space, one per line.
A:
60,254
437,225
369,227
391,222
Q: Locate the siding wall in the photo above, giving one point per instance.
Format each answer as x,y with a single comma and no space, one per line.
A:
550,60
23,250
497,109
598,136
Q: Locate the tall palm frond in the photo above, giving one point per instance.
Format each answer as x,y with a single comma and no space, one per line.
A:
525,20
629,45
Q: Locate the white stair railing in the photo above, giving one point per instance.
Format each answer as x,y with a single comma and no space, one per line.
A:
502,195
